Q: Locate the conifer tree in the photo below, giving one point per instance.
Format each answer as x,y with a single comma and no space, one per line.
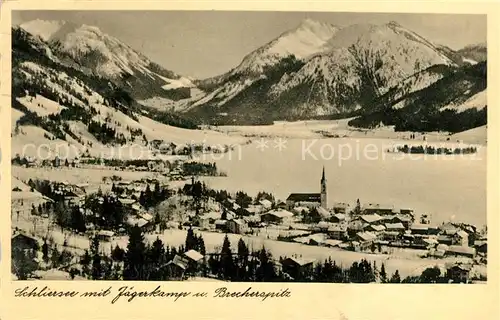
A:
191,241
227,266
396,278
97,269
134,258
383,274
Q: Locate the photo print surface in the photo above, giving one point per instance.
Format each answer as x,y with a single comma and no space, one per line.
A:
249,146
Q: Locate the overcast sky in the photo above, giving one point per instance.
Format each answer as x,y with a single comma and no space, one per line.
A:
204,44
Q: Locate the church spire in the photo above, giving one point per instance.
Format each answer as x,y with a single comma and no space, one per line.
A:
324,196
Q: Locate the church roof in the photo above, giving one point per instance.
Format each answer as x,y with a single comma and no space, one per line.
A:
304,197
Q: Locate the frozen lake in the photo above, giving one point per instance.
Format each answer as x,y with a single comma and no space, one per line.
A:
447,187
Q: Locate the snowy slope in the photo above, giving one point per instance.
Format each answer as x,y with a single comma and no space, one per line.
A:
62,109
477,101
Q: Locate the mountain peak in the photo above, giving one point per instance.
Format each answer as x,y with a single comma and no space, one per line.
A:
308,22
44,29
394,24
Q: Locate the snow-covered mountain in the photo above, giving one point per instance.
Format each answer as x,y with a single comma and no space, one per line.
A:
315,70
63,111
336,70
93,51
440,98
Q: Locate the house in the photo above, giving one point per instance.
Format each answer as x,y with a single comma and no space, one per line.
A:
356,226
139,222
332,243
460,238
281,205
481,246
366,237
405,220
237,226
428,242
365,240
177,267
370,218
74,196
461,251
105,235
448,228
193,255
375,228
24,242
338,218
340,208
338,231
406,211
317,239
458,272
419,229
278,216
377,209
444,239
390,235
398,227
309,200
297,267
220,225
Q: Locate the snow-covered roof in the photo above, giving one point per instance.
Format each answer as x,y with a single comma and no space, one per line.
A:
300,261
332,242
106,233
377,227
394,226
193,255
126,201
370,218
462,234
146,216
280,213
366,236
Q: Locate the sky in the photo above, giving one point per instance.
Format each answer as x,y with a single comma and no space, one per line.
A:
203,44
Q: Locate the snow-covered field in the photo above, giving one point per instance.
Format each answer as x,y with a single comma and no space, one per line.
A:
78,175
316,129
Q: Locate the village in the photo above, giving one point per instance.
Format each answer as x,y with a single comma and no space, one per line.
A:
153,205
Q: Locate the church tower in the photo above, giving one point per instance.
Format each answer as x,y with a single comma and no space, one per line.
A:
324,203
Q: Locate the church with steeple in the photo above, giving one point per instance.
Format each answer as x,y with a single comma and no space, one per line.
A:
310,200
